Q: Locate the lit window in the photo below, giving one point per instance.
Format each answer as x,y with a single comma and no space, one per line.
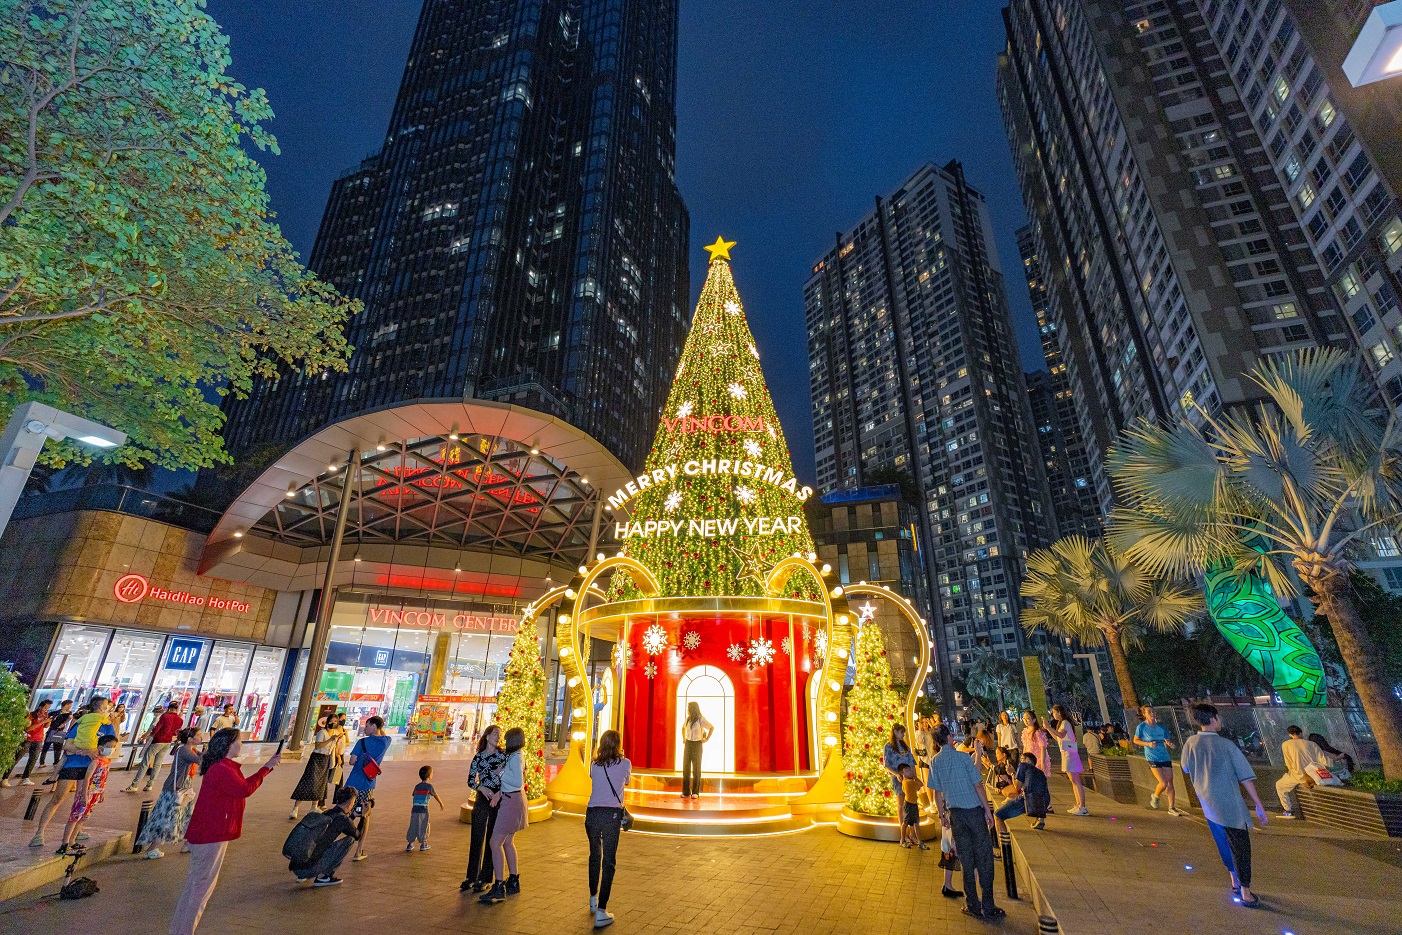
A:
1284,310
1392,236
1223,172
1281,90
1386,547
1305,195
1327,113
1382,354
1348,283
1186,400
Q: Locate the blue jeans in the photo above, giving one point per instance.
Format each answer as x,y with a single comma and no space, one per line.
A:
1234,847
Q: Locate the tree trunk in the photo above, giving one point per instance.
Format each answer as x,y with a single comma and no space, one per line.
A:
1129,698
1333,596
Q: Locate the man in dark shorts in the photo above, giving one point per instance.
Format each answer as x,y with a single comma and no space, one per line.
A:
72,770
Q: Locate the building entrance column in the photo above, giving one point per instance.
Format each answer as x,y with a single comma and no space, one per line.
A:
438,663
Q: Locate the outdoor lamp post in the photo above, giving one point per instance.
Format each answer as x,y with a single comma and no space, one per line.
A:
1099,686
1377,52
30,426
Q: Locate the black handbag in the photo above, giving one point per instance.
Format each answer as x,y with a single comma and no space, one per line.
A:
625,821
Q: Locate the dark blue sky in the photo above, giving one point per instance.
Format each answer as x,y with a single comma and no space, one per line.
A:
791,118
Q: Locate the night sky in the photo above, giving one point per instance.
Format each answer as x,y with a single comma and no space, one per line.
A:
791,118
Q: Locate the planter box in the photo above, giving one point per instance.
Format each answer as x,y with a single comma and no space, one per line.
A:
1363,813
1113,777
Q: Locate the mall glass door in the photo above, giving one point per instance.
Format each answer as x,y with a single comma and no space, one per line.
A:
259,691
177,681
125,675
73,665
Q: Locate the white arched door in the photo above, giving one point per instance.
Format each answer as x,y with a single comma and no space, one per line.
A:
603,704
712,689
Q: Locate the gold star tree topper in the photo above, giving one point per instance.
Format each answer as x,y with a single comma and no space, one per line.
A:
720,250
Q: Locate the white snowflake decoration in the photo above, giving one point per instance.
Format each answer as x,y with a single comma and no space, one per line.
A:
753,448
674,500
761,652
772,434
738,391
754,351
732,307
623,655
786,644
820,643
736,652
650,670
744,494
691,639
654,639
684,410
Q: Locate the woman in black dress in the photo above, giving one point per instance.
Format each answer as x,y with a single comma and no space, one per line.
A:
312,786
484,778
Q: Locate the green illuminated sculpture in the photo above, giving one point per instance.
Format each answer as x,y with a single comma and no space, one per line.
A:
1248,615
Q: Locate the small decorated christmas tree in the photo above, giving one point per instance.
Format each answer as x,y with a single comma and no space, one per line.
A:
521,703
717,504
872,710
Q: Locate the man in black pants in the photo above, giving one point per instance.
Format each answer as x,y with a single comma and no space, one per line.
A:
334,843
963,807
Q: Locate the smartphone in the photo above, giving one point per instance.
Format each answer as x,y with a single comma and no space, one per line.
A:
279,746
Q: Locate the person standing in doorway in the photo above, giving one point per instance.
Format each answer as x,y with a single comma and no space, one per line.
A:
33,743
603,822
1064,731
366,760
484,779
217,820
1216,765
1299,755
696,730
962,803
1153,737
511,818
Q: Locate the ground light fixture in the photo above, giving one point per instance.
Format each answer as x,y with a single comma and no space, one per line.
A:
1377,52
29,427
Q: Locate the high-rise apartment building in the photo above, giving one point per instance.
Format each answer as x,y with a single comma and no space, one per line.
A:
519,237
1171,255
1073,495
914,368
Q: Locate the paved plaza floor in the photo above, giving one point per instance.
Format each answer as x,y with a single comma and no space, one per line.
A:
813,882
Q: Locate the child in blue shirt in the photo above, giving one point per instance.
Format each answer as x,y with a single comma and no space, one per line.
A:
418,815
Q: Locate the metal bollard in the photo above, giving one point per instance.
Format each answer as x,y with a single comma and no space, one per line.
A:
1046,925
1009,871
141,824
33,808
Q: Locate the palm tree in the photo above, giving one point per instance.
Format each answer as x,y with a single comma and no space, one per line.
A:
1084,589
1302,477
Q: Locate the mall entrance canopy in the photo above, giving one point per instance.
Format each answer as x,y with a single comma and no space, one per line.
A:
469,497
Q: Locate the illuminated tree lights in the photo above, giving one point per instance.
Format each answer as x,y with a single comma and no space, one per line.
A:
873,708
717,504
521,703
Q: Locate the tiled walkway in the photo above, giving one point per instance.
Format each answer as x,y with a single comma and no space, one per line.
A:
813,882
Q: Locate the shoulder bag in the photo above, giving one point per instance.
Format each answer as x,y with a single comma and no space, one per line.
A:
625,821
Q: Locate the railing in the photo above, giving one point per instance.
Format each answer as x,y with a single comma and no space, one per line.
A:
119,498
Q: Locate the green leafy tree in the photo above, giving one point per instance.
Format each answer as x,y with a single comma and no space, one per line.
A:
1084,589
521,703
1311,471
1381,613
14,717
719,476
997,682
873,708
141,274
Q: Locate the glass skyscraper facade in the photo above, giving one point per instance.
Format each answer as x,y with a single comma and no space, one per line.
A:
519,237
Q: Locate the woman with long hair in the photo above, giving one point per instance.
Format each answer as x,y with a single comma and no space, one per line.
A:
603,822
312,786
1065,733
511,818
484,779
696,730
1153,737
171,816
896,754
217,820
1036,740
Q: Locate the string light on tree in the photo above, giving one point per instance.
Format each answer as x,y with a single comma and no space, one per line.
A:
872,710
521,703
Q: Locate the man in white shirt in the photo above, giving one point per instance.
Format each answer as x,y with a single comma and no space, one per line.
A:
229,718
1298,754
1091,741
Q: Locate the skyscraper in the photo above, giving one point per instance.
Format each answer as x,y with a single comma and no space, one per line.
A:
519,237
1171,257
914,370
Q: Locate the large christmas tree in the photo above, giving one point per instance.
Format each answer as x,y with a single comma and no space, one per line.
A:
717,504
873,708
521,703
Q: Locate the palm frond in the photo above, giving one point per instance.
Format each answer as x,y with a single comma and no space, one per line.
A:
1175,468
1331,392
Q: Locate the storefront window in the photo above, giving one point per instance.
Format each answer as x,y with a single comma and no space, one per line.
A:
125,674
182,666
228,664
259,691
73,664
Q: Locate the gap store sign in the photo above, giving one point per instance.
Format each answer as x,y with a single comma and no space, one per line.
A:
183,655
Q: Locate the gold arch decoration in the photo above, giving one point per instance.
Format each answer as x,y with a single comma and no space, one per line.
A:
571,783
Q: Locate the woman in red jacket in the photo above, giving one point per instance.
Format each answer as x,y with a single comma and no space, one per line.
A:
217,820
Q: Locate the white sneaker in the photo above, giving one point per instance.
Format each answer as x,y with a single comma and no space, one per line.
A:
593,903
27,782
602,918
154,854
1082,811
1286,815
1154,801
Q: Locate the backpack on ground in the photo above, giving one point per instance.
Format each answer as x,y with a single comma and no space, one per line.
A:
300,846
81,888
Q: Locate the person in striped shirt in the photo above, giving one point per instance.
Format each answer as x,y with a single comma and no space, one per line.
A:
418,814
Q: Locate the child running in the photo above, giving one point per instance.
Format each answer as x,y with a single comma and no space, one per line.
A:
418,815
910,816
86,799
